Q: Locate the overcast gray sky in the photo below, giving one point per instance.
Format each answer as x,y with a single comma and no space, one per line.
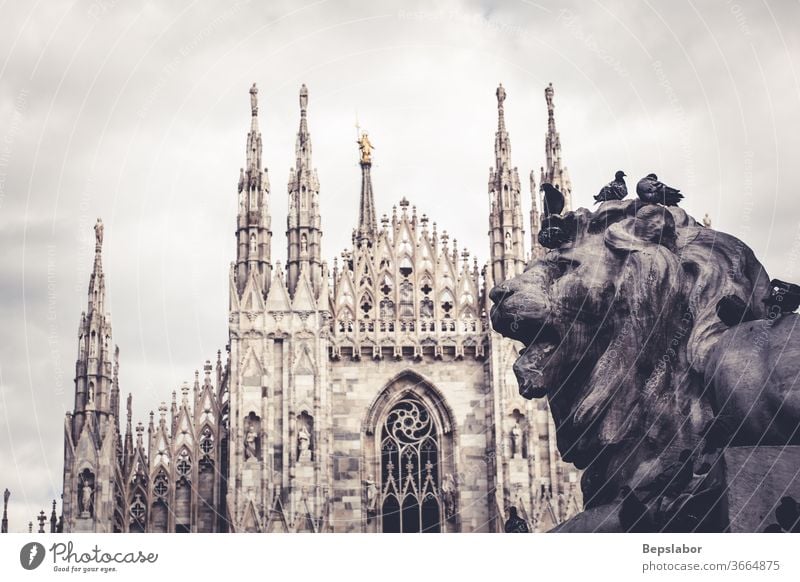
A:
137,112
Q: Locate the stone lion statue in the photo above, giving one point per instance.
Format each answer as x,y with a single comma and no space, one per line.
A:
645,383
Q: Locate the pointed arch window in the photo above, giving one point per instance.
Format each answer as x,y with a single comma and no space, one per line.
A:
161,486
406,266
426,307
387,309
366,304
387,285
410,460
446,301
406,299
138,513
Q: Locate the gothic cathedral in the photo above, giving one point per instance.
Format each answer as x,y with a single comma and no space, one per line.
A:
371,396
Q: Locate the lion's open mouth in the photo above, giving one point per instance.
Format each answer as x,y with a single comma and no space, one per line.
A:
535,359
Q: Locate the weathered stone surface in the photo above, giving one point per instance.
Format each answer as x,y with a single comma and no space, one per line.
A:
623,339
757,479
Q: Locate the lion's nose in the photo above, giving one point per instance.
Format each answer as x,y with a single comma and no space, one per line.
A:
500,292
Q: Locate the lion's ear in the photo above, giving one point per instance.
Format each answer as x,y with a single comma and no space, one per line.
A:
653,224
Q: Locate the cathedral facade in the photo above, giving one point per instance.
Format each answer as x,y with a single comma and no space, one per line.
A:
368,395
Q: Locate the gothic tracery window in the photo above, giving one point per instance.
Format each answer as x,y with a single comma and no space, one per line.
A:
426,307
184,466
410,481
406,299
161,485
387,309
206,446
138,511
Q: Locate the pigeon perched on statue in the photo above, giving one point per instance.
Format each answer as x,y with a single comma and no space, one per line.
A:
555,229
652,191
514,523
614,190
785,296
553,199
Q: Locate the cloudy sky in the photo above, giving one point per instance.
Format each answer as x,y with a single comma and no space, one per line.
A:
137,112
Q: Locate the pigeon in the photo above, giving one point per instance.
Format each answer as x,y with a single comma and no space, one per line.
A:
785,296
514,523
614,190
732,311
553,199
633,515
673,480
652,191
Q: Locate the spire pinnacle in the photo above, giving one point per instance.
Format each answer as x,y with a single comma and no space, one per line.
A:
253,234
367,220
96,279
554,172
551,119
502,144
303,222
303,146
501,96
253,138
505,215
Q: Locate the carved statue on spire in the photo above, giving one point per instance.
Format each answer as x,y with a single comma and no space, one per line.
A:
303,97
366,148
501,95
548,95
98,232
254,99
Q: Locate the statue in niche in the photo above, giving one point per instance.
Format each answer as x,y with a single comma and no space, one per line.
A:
86,495
516,441
251,443
90,394
449,496
304,244
303,444
372,497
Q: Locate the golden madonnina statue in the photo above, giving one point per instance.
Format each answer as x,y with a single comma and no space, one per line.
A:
366,148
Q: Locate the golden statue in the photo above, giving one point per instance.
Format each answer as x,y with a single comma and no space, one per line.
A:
366,148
